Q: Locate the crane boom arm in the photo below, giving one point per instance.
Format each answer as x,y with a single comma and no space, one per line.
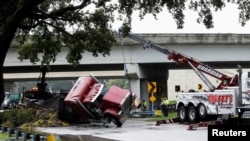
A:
148,43
197,66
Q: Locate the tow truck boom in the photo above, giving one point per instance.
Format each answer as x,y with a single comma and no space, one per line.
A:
197,66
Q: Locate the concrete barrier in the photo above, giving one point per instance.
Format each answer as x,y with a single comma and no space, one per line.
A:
17,134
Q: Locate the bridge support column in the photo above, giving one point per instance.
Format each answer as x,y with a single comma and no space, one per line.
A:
134,86
132,72
139,77
139,86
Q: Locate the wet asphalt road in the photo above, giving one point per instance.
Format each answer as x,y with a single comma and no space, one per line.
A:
134,129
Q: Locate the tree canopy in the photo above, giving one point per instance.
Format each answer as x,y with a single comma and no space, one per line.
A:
44,26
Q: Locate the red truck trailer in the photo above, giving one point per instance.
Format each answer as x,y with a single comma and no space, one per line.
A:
94,102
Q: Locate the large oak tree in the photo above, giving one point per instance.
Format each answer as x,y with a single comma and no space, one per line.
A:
85,25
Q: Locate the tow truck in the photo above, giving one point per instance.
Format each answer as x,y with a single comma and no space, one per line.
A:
94,102
230,97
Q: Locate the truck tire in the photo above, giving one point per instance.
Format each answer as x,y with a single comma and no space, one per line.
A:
109,118
202,111
182,114
116,122
192,114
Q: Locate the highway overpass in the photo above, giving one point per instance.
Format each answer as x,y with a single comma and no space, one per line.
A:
218,50
141,65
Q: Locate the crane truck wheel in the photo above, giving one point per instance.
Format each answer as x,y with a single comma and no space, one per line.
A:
202,111
192,114
182,114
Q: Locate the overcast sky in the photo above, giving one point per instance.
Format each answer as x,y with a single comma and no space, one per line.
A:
225,21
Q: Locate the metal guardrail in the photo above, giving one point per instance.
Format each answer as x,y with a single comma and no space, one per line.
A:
143,113
171,108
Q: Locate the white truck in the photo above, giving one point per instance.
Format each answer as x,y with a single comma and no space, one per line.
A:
199,106
230,97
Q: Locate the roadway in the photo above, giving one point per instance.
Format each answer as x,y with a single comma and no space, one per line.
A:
133,129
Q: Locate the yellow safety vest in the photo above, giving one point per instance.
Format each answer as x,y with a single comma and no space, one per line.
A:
165,102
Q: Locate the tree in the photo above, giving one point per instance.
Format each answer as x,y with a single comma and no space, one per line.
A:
84,25
123,83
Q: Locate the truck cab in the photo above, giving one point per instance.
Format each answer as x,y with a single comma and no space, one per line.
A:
93,101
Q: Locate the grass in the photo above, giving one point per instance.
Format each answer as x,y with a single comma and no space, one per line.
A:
4,136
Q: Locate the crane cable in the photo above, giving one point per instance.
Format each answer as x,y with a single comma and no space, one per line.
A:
124,61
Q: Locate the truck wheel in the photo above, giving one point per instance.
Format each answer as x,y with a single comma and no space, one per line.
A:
192,114
106,121
182,114
202,111
114,120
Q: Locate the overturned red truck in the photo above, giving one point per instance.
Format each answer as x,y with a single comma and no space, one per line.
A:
93,101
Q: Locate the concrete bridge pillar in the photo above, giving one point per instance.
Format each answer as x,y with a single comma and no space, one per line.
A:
149,82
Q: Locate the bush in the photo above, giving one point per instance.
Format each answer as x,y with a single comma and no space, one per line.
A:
17,117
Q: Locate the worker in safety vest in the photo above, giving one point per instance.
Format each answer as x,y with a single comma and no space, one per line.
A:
144,105
164,106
